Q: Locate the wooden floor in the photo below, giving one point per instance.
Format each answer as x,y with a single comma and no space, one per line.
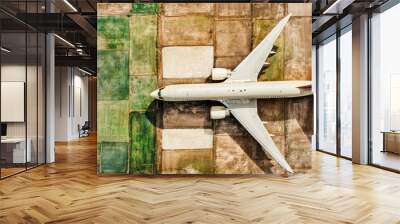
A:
386,159
5,172
69,191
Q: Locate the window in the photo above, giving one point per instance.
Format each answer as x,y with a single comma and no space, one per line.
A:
385,89
346,92
327,96
334,137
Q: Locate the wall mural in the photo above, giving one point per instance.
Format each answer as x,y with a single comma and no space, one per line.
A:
145,46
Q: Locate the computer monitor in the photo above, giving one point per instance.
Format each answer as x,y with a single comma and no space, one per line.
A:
3,129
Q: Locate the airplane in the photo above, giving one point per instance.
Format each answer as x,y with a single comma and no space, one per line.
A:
240,90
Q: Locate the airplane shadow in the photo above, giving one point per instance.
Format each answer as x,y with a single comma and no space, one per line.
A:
151,113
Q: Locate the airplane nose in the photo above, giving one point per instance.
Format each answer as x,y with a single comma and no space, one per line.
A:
154,94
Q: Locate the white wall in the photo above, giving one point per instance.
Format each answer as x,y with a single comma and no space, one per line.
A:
79,117
12,73
62,81
70,83
16,73
33,127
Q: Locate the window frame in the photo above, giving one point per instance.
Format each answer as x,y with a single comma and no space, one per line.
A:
337,35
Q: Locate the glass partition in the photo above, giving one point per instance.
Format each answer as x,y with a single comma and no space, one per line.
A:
32,96
22,78
14,153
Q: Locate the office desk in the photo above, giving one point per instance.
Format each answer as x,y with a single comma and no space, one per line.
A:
391,141
13,150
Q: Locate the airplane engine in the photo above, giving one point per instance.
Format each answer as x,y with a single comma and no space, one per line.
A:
219,112
219,74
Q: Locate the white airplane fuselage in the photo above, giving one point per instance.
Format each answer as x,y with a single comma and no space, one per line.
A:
233,90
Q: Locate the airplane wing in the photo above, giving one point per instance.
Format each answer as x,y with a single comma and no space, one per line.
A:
249,68
245,111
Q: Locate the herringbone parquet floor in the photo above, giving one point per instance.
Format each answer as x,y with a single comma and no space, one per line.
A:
69,191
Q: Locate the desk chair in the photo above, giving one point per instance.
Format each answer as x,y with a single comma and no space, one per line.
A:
84,130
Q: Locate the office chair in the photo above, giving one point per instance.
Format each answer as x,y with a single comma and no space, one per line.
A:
84,130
